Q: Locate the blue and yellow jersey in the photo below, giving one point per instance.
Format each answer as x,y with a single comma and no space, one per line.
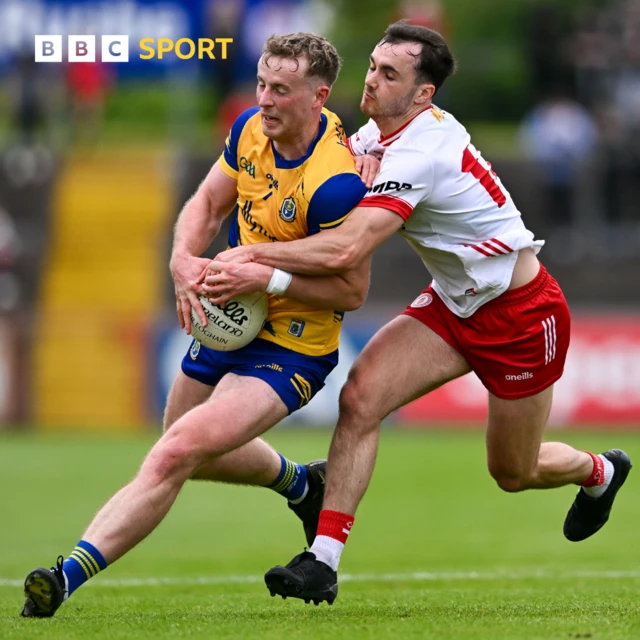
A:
281,200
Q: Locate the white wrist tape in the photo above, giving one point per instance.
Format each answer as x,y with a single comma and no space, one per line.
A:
280,281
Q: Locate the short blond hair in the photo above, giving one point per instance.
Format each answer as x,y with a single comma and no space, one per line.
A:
323,58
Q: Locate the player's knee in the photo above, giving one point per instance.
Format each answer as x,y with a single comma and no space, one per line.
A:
354,402
509,480
171,458
511,484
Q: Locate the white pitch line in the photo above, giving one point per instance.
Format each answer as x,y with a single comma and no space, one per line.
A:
361,577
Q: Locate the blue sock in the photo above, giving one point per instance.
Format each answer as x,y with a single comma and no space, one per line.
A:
84,562
291,481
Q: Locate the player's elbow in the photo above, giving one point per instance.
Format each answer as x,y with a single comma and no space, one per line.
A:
345,259
354,300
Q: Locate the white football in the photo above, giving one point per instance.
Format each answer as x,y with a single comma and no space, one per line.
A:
233,326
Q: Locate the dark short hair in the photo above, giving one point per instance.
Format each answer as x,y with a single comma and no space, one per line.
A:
323,58
435,63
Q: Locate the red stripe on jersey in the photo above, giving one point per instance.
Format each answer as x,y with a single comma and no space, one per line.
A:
393,203
497,250
382,138
350,147
481,250
471,164
501,244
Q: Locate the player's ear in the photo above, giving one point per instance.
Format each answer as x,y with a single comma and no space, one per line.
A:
322,93
425,93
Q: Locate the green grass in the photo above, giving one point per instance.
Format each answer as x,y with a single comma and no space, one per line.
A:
493,565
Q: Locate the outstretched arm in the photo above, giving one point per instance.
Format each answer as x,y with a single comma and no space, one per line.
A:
334,251
346,292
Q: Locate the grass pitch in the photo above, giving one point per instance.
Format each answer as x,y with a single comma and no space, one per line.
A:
437,550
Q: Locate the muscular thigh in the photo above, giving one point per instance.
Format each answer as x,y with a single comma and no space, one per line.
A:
403,361
240,409
185,394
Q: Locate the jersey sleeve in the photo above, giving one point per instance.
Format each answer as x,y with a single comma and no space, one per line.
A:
333,201
229,158
363,140
405,179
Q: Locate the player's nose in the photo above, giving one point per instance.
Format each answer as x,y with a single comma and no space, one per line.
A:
265,98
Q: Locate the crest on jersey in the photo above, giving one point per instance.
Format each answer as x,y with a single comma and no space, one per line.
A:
423,300
195,350
288,210
437,114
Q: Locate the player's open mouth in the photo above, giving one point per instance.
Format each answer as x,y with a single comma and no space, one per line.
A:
269,119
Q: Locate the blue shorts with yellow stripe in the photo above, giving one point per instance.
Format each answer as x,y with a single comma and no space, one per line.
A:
295,377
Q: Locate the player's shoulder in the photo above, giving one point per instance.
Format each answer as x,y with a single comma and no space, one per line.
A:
247,121
331,156
432,133
334,140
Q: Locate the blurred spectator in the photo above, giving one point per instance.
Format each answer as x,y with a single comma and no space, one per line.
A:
424,13
547,46
28,99
596,54
32,97
10,249
88,83
560,135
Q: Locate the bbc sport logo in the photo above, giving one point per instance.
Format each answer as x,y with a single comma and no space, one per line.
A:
49,48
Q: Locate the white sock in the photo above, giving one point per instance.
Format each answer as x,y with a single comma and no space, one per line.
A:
597,491
327,550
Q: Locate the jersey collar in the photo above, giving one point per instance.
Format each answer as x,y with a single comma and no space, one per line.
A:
281,163
385,141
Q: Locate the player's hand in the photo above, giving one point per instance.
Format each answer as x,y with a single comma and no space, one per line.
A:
225,280
368,167
237,254
186,271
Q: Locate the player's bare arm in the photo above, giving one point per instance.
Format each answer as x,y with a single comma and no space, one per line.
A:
347,292
335,251
197,225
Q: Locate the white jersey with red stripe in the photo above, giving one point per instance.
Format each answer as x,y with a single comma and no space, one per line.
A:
458,216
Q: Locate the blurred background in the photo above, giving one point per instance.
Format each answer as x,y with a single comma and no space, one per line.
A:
96,161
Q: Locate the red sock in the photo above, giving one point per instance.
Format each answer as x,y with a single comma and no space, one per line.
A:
597,475
334,524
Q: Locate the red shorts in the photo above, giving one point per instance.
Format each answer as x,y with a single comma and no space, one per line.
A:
516,344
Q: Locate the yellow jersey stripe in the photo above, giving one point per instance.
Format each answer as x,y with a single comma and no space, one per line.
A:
92,563
328,225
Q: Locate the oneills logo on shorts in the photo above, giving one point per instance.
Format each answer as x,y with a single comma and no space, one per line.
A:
422,300
527,375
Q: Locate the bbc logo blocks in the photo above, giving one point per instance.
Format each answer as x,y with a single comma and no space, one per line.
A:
82,48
